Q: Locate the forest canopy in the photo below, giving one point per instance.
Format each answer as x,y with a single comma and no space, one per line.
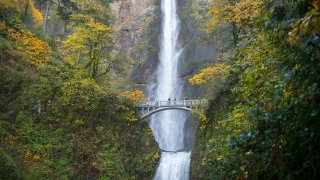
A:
263,123
62,115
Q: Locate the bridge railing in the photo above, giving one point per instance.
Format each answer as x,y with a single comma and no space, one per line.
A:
173,103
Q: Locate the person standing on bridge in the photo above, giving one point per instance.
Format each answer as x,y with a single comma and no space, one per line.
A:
169,101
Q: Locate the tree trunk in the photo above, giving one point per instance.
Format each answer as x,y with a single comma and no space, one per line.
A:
46,17
26,8
235,34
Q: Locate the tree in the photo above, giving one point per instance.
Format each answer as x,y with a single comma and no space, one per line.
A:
214,77
89,47
65,8
135,96
234,16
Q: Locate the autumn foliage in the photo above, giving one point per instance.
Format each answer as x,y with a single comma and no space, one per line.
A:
214,74
34,50
135,96
263,121
36,14
61,116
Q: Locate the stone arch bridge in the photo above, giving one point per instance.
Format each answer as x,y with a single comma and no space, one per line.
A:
148,108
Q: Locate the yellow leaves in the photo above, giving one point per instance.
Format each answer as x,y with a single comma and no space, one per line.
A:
221,13
36,14
203,121
90,42
246,11
156,155
36,157
135,96
198,113
215,76
308,25
9,5
236,133
97,27
211,74
131,117
242,13
3,27
79,122
28,156
149,132
81,95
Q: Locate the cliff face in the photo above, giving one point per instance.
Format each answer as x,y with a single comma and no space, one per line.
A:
139,25
198,50
131,17
138,22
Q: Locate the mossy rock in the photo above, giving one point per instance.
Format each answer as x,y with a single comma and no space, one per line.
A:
8,168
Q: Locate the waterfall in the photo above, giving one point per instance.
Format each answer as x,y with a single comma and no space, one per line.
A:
168,126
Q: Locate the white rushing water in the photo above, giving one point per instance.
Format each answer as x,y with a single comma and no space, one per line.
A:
168,126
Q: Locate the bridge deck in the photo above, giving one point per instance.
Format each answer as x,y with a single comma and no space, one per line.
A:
172,103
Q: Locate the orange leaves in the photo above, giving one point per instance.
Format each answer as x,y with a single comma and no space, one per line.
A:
8,7
268,108
36,14
34,50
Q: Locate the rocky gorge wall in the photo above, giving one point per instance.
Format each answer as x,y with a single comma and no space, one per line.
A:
139,25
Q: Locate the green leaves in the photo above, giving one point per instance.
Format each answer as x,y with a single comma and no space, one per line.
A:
270,129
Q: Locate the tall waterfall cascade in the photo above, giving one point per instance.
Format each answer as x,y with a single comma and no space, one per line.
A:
168,126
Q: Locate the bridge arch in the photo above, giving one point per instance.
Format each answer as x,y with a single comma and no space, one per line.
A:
143,117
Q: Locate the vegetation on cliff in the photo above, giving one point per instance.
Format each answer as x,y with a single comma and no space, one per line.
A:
263,117
66,110
62,115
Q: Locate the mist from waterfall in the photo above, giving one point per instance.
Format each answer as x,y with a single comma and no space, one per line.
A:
168,126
